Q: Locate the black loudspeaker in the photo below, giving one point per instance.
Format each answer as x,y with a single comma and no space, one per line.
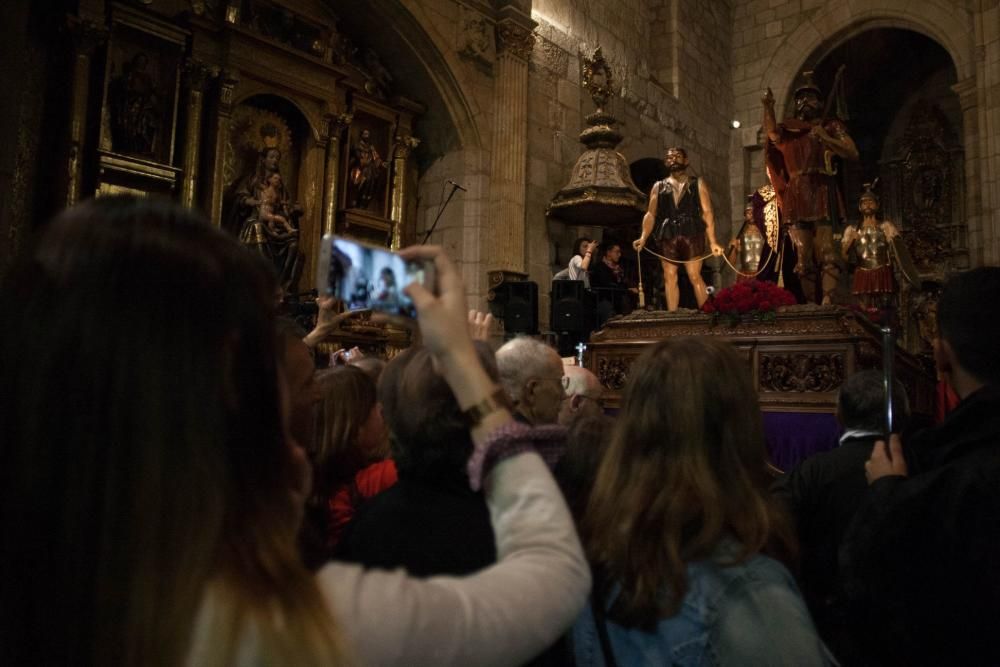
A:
572,307
519,301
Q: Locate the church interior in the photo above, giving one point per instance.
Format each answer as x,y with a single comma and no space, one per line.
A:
506,130
801,179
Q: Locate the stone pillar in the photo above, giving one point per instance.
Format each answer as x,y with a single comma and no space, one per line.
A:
505,232
400,196
195,76
223,112
336,125
968,98
86,36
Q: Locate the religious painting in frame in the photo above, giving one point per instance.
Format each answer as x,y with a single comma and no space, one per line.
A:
368,160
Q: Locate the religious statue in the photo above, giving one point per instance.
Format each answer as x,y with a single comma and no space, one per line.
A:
680,219
136,109
749,247
365,171
799,156
261,212
875,243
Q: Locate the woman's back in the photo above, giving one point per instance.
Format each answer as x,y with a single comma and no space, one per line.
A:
680,518
749,613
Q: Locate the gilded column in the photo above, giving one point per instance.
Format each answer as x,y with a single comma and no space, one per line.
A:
86,36
223,113
196,74
508,163
337,123
400,195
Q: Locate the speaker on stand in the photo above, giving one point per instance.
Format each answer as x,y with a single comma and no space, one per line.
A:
571,315
517,303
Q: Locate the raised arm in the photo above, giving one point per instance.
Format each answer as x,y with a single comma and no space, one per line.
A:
504,614
770,123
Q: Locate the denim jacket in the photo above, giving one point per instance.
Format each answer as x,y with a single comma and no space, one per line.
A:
746,614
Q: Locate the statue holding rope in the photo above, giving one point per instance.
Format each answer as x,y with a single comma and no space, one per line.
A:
680,219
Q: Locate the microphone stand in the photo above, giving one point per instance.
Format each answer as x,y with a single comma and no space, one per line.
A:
454,189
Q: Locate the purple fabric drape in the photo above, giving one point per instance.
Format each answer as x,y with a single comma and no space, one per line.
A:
795,436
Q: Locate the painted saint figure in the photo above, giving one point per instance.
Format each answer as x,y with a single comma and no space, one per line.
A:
364,172
680,219
799,155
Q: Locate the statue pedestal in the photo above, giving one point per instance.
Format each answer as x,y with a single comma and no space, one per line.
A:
798,360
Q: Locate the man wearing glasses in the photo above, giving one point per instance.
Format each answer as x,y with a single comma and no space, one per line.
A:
532,374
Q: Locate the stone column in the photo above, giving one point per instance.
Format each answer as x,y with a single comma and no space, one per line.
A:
400,196
86,36
195,76
505,232
968,97
336,125
223,112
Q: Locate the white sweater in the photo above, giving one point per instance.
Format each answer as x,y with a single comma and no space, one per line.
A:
503,615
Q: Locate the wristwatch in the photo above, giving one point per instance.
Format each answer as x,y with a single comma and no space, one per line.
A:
498,400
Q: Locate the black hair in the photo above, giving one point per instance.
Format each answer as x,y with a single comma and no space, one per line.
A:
861,402
966,319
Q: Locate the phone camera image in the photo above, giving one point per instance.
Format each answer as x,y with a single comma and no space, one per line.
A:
365,277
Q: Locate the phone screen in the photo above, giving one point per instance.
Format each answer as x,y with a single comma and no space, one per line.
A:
364,276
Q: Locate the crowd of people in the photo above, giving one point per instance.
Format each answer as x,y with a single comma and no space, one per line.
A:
181,486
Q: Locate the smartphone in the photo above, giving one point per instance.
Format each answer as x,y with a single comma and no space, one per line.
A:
365,276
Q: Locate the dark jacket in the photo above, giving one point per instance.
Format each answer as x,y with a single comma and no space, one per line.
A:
823,493
922,559
427,527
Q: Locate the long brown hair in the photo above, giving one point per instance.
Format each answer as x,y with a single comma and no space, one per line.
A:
686,468
146,477
348,400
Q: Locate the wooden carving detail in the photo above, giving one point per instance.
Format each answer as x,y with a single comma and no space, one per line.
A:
801,372
613,372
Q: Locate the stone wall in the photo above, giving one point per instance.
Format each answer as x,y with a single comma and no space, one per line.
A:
670,58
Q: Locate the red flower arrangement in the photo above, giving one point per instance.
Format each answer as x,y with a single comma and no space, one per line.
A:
751,299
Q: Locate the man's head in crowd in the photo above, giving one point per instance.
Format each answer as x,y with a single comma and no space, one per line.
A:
429,435
861,402
966,351
532,374
583,396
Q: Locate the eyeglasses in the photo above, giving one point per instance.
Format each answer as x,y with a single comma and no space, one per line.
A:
563,381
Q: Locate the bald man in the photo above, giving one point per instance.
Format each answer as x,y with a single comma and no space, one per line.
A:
583,396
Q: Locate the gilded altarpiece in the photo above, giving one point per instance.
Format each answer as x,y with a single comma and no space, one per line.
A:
924,187
138,115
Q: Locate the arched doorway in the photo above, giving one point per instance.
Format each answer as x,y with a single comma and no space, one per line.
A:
902,111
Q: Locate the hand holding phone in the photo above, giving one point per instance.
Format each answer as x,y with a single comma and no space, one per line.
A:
367,277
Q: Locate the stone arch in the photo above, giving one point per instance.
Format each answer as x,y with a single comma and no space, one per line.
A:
437,60
838,22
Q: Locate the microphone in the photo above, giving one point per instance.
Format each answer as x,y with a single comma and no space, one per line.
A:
456,185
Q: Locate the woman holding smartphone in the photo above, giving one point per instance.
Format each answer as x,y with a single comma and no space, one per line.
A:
154,519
